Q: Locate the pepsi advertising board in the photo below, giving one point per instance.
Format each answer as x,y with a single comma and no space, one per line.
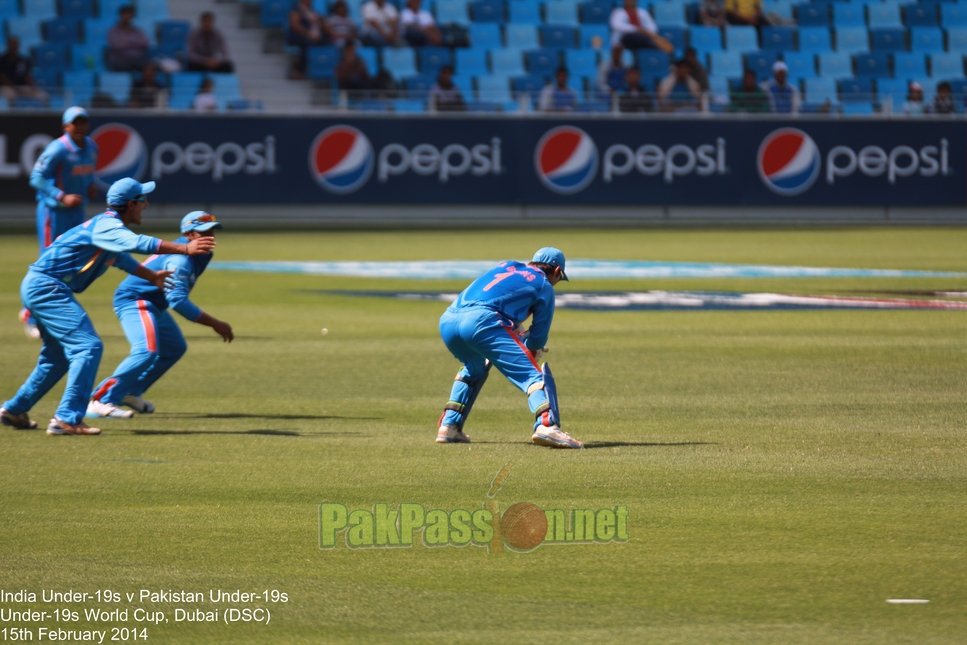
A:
529,161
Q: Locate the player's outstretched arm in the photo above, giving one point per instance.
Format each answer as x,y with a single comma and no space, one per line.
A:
221,327
157,278
198,246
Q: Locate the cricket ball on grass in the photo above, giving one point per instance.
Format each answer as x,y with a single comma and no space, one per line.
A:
524,526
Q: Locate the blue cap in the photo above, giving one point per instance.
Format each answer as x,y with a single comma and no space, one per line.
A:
199,221
71,113
124,190
552,256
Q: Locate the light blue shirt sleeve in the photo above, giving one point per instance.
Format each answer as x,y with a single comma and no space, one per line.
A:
543,313
178,287
112,235
42,176
126,263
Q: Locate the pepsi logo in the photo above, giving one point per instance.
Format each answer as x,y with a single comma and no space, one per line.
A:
121,153
788,162
341,159
566,160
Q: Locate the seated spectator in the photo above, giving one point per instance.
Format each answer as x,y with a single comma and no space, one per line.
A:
127,45
306,29
711,13
444,95
634,97
557,96
145,91
914,105
611,73
696,69
679,92
744,12
419,27
943,102
381,24
340,26
351,72
207,51
16,79
205,100
749,97
634,28
783,96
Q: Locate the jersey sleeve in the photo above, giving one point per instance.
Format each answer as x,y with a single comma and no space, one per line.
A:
543,312
42,176
126,263
178,287
112,235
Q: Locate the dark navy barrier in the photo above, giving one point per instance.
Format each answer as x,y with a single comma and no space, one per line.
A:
531,161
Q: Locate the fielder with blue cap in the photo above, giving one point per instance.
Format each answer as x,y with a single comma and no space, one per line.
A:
156,340
482,328
63,177
68,266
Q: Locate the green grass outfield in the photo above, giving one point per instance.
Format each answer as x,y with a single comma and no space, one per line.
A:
786,472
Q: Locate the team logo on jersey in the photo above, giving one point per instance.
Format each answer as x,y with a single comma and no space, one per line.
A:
341,159
121,153
788,162
566,160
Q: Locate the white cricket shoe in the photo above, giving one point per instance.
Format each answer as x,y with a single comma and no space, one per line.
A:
554,437
451,434
29,329
138,404
58,427
108,410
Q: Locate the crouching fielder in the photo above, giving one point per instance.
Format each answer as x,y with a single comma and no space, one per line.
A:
480,330
156,340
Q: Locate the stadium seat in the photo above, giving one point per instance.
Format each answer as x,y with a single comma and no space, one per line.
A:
959,87
186,83
452,12
921,14
858,108
953,15
782,8
671,14
95,30
724,64
399,62
172,31
820,90
874,64
856,89
321,62
110,8
78,87
596,37
835,65
595,13
800,64
76,9
581,62
418,87
62,30
706,39
8,9
87,56
274,13
51,55
926,39
561,12
779,38
464,83
909,65
813,14
892,91
27,30
485,35
556,37
370,56
816,39
675,36
761,63
889,40
652,63
507,62
521,36
741,39
957,40
525,12
433,58
408,106
471,62
883,16
542,62
152,10
946,65
39,9
852,39
848,14
487,11
494,89
47,77
117,85
527,85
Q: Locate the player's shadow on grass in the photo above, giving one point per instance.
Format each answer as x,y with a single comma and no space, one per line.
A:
274,417
646,444
269,433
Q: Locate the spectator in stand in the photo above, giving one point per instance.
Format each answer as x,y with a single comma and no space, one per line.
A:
419,27
145,91
744,12
207,51
634,97
634,28
696,69
711,13
783,96
205,100
16,79
611,73
914,105
749,97
557,96
340,26
127,45
306,29
351,72
444,95
381,24
943,102
679,92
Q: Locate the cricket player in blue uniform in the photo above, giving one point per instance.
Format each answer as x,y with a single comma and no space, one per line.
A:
63,178
70,344
482,328
156,340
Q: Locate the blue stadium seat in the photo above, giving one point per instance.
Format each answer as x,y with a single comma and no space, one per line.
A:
40,9
527,85
706,39
848,14
62,30
433,58
779,38
152,10
78,87
595,37
874,64
595,13
926,39
581,62
110,8
542,62
117,85
172,31
27,30
47,77
782,8
321,62
452,12
800,64
8,9
87,56
464,83
675,36
521,36
76,9
959,87
561,12
370,56
957,40
485,35
852,39
557,37
816,39
399,62
909,65
858,108
671,14
51,55
408,106
418,87
813,14
761,63
889,40
892,90
724,64
946,65
883,16
741,39
186,83
820,90
835,64
953,15
487,11
507,62
652,63
95,30
275,13
471,62
525,12
494,89
856,89
921,14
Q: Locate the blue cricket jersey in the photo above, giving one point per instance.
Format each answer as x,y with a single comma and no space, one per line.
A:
64,168
187,270
82,255
515,291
